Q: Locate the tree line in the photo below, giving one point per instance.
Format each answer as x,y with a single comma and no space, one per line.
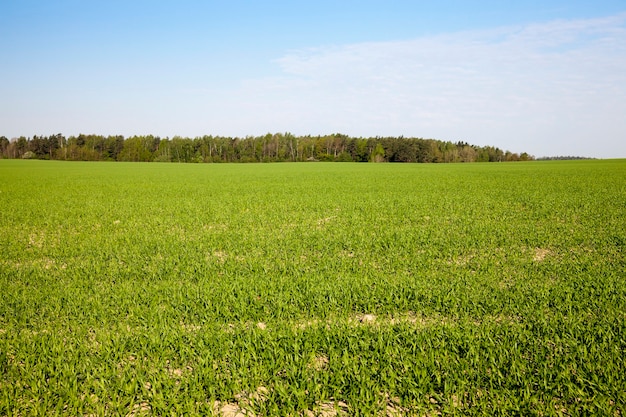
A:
562,158
276,147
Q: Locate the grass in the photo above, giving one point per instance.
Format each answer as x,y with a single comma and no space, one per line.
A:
312,289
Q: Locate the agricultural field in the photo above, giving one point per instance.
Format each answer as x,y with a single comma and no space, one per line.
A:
309,289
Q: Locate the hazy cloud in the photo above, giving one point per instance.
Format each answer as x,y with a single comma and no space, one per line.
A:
552,88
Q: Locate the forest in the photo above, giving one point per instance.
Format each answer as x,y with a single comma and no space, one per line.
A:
277,147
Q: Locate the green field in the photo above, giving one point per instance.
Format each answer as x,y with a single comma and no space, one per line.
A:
312,289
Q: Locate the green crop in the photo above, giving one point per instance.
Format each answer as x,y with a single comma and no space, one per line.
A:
312,289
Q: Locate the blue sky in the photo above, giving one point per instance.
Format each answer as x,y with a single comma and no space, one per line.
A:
545,77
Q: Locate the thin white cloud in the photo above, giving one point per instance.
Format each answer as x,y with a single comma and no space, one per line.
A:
551,88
